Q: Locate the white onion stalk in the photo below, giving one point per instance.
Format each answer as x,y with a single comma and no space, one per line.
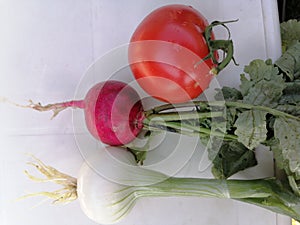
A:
106,200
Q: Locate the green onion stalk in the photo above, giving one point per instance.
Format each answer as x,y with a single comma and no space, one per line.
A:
107,201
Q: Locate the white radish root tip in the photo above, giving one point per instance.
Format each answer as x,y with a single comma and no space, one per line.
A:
64,195
55,108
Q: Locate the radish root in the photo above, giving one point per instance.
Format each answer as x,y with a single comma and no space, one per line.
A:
56,108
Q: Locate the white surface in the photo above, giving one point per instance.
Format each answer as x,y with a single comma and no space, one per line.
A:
46,48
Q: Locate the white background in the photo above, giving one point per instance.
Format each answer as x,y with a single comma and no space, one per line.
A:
45,49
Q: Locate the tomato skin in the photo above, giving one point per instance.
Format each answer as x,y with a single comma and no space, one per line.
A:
164,50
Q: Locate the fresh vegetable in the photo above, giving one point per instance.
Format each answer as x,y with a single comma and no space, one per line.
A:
290,33
264,111
107,201
173,53
113,111
267,102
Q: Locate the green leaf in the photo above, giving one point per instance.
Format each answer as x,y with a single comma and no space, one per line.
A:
294,184
289,62
259,70
251,128
290,32
291,94
266,93
228,94
277,153
231,158
245,84
291,109
231,115
287,131
282,162
264,86
290,100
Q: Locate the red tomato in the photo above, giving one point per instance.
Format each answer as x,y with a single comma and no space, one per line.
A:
165,52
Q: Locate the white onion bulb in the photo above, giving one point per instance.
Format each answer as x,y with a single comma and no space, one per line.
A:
108,184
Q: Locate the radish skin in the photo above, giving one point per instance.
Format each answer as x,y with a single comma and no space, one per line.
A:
113,112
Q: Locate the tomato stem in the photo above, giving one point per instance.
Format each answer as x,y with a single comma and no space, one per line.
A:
224,45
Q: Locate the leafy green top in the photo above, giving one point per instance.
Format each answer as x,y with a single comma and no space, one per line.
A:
290,33
266,111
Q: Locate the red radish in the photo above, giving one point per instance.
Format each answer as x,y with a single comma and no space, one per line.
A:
113,112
